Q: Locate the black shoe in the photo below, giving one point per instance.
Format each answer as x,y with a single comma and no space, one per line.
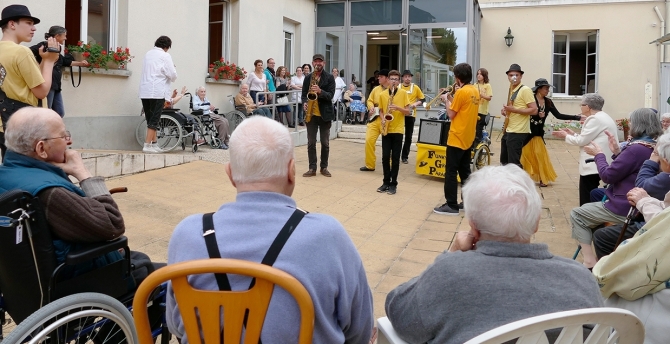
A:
460,206
365,168
392,189
291,126
404,161
383,188
445,209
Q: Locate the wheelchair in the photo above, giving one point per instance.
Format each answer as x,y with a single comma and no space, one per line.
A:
481,153
31,279
235,117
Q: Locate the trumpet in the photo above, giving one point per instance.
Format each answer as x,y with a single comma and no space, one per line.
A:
312,97
387,118
451,89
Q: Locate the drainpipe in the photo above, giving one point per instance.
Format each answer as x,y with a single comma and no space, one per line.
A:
660,17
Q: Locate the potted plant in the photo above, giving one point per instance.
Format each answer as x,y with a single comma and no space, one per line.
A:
121,56
226,70
623,125
94,53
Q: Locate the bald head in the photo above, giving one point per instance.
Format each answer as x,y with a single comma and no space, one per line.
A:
29,125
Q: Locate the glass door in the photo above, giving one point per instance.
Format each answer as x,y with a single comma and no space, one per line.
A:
415,44
357,58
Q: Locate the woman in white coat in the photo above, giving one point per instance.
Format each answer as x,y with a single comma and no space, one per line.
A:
593,129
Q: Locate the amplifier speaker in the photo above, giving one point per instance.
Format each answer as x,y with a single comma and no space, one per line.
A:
433,132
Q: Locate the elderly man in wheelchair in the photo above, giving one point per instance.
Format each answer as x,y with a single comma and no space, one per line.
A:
66,238
245,104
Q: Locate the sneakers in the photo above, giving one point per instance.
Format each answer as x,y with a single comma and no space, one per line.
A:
460,206
383,188
310,173
391,190
365,168
223,146
151,148
445,209
404,161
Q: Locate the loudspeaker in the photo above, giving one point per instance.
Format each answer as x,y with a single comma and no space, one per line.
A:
433,132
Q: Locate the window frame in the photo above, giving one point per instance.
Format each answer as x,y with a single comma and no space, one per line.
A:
112,25
567,55
225,30
288,58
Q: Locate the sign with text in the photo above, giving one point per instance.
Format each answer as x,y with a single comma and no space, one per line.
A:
431,160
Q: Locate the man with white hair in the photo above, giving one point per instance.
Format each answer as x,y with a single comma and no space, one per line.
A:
318,252
492,275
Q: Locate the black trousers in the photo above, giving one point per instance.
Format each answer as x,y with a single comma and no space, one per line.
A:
586,184
391,146
3,148
409,130
510,148
318,124
458,164
604,239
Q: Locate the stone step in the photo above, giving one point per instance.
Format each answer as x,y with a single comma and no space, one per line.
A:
359,128
361,136
378,143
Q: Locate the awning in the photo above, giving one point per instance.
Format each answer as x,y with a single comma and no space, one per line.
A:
663,40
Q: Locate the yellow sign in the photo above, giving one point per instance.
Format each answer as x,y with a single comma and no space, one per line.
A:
431,160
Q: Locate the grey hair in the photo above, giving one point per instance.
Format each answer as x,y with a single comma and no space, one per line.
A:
665,115
242,84
260,150
502,201
22,138
593,101
663,146
199,88
644,121
56,30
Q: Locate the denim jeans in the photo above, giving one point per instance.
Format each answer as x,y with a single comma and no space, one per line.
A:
55,102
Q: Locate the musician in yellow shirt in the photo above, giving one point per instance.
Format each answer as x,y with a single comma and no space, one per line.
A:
373,129
486,93
416,98
393,101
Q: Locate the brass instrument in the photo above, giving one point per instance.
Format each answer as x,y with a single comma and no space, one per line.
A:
312,96
387,118
449,89
510,102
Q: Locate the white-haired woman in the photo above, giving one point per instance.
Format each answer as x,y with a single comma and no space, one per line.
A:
593,130
200,102
665,121
620,175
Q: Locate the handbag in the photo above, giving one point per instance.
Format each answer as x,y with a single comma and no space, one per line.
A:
282,100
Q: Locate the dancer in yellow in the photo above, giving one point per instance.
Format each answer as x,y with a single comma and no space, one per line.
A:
534,156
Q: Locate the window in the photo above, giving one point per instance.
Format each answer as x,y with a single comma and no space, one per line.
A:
383,12
328,15
329,57
437,11
91,21
575,62
217,29
288,51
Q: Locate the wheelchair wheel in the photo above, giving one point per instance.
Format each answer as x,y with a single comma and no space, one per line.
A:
215,142
481,158
141,132
79,318
169,134
234,119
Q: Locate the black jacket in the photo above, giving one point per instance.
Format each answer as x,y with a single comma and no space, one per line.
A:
325,99
57,74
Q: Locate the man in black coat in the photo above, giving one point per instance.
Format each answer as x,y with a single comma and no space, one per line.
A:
319,114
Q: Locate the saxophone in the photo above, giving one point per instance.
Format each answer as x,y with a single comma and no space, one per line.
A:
312,96
387,118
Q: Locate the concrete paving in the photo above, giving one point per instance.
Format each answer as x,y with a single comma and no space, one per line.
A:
397,236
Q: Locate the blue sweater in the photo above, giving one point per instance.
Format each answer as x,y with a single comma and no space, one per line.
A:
319,254
655,183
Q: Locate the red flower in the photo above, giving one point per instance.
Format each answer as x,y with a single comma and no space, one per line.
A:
104,52
221,59
86,54
216,77
80,43
118,49
127,50
211,66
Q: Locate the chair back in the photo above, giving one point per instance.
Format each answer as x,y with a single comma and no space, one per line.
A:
612,325
27,257
201,309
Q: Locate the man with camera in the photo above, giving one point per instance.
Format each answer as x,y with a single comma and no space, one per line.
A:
23,82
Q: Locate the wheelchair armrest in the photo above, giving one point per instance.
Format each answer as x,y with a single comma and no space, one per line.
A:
197,112
91,251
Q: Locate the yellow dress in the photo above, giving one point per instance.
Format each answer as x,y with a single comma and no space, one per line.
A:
535,160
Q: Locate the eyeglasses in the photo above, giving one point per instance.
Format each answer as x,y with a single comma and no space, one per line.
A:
394,79
583,105
67,137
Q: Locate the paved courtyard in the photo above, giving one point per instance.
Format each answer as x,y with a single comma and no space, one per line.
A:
397,236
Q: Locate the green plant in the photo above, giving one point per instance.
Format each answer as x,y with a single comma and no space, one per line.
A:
94,53
121,56
622,123
226,70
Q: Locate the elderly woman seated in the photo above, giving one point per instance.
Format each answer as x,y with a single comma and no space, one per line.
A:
665,121
200,102
356,103
620,175
244,103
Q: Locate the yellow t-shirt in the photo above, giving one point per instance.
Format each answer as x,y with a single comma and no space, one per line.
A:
414,93
401,99
519,123
19,72
483,103
464,124
314,108
373,98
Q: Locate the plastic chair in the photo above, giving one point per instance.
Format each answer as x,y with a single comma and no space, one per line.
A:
387,334
200,309
613,325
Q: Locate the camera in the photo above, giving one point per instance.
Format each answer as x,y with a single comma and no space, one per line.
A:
47,48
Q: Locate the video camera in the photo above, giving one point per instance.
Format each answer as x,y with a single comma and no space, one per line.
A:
47,48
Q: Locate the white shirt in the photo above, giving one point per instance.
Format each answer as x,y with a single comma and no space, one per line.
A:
199,104
158,72
297,95
257,84
340,85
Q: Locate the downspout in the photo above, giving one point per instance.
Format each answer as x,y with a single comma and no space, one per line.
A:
667,15
660,17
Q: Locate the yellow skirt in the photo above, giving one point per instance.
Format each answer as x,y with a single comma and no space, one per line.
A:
535,160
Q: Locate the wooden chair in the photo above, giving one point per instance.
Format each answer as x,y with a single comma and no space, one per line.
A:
613,325
201,309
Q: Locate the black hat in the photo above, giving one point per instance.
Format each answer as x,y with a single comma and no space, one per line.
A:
407,72
384,72
541,82
318,57
514,68
13,12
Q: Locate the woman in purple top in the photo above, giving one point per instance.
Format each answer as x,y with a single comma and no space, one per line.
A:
645,127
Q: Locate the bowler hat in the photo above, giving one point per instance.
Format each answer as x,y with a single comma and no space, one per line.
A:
407,72
318,57
514,68
14,12
384,72
541,82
